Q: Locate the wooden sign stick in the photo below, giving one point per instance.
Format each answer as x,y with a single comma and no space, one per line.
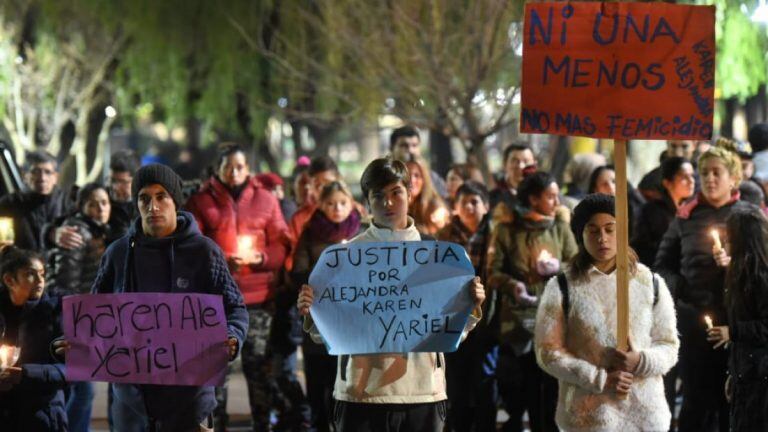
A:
622,242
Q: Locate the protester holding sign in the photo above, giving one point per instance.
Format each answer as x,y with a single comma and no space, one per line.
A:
693,263
471,372
747,329
31,388
398,391
526,252
336,220
576,330
165,252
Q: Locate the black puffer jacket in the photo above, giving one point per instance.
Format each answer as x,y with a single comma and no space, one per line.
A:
72,271
685,257
652,222
748,363
36,404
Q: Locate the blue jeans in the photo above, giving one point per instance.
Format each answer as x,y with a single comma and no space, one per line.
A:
127,410
79,404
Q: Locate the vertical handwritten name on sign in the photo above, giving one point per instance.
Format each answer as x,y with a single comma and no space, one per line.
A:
619,70
146,338
391,297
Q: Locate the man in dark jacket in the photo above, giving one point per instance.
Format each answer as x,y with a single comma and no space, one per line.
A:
164,251
121,169
34,208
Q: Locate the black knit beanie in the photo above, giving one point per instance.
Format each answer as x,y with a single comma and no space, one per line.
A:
158,174
591,205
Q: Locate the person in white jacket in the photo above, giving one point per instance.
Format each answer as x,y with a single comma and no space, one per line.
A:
600,387
398,392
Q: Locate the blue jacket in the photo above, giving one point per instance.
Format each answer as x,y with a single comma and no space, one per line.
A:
185,261
36,404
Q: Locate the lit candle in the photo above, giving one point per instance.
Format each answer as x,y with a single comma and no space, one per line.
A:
244,246
6,230
544,255
9,354
708,322
4,354
440,216
716,238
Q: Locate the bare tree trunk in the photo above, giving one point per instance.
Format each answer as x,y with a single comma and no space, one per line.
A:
440,152
477,156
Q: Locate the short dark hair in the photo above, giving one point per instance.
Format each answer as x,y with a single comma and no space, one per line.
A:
533,185
471,187
124,161
402,132
513,148
595,175
671,166
38,157
226,150
321,164
85,192
13,259
382,172
758,137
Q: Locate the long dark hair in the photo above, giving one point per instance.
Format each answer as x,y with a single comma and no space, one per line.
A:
747,235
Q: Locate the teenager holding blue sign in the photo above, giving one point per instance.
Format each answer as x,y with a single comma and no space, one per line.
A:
576,330
336,220
390,392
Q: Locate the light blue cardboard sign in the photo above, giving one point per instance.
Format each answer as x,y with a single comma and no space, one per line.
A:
392,297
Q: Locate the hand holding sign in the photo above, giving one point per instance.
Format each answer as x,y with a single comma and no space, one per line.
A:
391,297
146,338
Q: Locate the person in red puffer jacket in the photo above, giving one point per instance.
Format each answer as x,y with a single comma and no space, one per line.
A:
245,220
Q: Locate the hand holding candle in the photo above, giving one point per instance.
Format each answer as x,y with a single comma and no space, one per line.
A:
9,355
246,250
546,264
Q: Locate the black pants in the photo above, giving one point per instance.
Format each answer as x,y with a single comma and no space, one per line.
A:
525,387
368,417
472,391
703,372
320,371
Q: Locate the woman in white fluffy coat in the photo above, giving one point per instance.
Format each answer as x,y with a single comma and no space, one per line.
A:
577,348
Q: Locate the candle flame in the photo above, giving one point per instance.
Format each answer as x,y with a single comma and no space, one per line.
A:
708,321
3,357
716,237
544,255
244,245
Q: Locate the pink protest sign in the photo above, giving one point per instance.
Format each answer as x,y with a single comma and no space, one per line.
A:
146,338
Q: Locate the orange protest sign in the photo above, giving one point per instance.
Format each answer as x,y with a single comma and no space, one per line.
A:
618,70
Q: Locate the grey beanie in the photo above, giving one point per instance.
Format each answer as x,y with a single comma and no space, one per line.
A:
158,174
591,205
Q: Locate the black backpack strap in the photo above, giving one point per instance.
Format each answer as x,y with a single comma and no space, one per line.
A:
563,283
655,278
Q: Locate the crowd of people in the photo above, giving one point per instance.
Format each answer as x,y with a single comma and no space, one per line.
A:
540,343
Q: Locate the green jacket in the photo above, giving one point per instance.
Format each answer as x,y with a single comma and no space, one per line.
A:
515,249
